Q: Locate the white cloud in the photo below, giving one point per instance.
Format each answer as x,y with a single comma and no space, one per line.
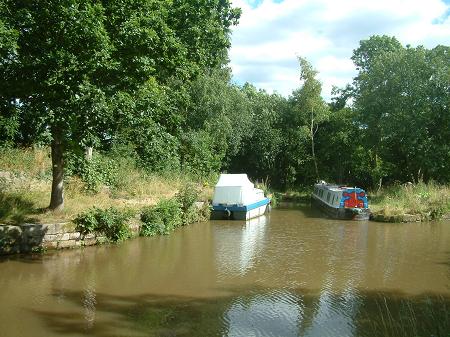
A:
271,35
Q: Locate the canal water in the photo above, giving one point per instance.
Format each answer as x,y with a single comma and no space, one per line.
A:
290,273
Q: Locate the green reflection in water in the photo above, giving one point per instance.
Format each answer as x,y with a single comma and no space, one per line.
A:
262,313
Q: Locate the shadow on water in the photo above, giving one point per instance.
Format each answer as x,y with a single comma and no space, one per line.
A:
257,312
34,258
306,208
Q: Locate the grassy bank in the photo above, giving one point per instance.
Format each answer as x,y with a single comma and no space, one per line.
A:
25,185
430,201
425,201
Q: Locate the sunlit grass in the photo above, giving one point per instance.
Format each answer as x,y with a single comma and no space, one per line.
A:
25,186
428,200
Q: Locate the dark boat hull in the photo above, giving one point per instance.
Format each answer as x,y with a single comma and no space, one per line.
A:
342,213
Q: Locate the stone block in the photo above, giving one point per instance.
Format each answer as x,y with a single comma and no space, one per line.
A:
57,228
67,227
50,245
74,236
49,237
68,244
89,242
62,237
31,229
89,236
50,228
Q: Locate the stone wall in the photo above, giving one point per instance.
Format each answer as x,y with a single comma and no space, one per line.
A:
37,237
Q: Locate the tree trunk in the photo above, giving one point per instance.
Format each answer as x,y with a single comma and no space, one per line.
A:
88,152
314,157
313,152
57,197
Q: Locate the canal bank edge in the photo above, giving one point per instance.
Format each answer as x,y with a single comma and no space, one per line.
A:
407,217
29,237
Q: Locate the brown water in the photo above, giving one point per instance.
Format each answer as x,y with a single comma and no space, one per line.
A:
291,273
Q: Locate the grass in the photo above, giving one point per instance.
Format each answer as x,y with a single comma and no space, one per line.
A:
303,195
25,186
428,200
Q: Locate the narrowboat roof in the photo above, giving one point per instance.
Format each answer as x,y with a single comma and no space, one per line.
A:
334,188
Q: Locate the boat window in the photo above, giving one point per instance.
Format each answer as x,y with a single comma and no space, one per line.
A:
328,196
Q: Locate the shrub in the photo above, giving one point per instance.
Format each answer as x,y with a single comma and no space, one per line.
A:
161,218
187,196
100,170
110,222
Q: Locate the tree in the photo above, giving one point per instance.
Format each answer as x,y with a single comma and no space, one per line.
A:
309,105
76,70
261,146
62,49
400,94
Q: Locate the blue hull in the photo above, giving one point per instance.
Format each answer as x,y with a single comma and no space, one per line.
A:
239,212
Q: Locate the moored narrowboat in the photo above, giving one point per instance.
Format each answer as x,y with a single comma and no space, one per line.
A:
341,202
236,198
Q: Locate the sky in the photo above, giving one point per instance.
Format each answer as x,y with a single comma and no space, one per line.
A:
272,33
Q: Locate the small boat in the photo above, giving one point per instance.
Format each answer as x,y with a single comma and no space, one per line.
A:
341,202
236,198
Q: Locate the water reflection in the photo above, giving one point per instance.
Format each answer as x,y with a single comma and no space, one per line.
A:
238,244
281,313
290,274
276,313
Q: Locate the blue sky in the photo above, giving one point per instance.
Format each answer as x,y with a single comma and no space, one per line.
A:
272,33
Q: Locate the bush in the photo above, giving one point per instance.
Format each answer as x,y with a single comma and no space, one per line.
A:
110,222
187,196
162,218
100,170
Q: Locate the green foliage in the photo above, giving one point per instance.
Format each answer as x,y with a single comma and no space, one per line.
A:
401,99
162,218
169,214
188,195
430,201
262,145
79,73
97,172
151,74
110,222
200,153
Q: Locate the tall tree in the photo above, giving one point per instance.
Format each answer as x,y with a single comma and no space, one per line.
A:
309,104
400,94
62,49
83,70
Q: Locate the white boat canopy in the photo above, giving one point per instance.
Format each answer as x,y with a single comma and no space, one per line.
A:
234,189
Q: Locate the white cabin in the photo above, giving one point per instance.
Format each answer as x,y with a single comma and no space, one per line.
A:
236,189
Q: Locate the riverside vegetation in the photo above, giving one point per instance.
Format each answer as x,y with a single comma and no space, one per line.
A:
145,86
